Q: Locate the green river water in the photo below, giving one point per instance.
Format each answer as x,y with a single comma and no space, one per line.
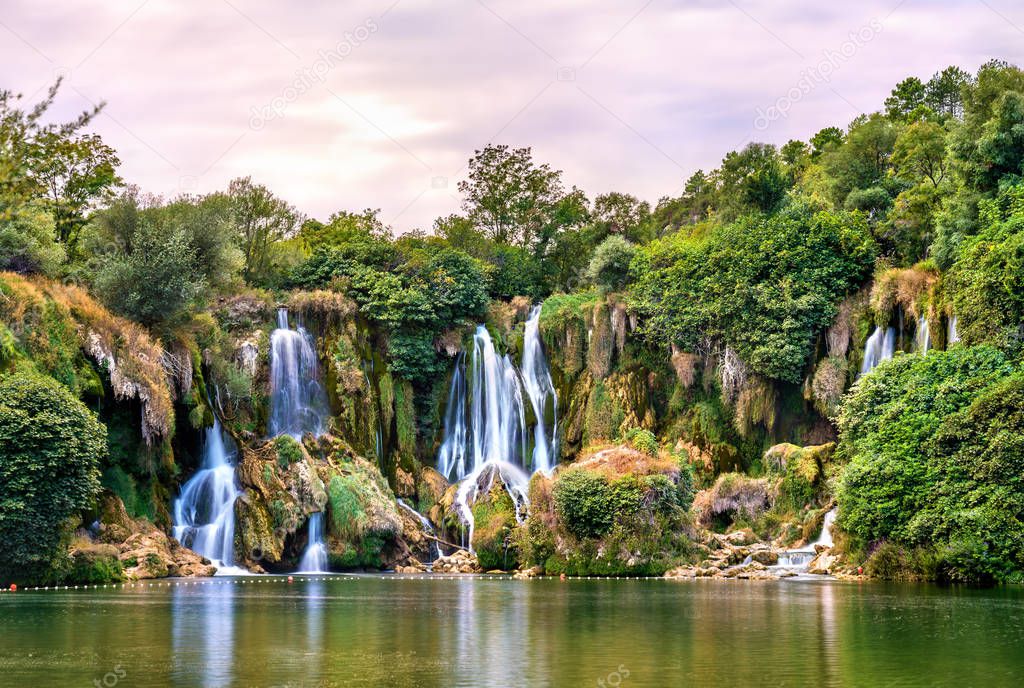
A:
476,631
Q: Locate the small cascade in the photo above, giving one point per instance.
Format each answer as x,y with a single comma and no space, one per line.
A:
428,528
922,338
298,403
800,558
952,336
314,559
485,427
540,389
451,457
204,513
881,346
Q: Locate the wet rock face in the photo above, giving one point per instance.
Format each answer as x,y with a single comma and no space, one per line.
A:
460,561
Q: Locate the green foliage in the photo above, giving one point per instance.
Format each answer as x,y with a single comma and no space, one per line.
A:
28,243
642,440
609,267
289,451
50,444
584,503
95,567
987,281
934,459
763,286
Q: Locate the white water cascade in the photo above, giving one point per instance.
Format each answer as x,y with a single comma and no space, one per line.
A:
298,403
428,527
922,338
485,437
540,389
204,513
881,346
314,559
952,336
800,558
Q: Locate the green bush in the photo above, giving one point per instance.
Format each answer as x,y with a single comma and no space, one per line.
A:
585,503
289,451
50,445
936,449
764,286
642,440
609,266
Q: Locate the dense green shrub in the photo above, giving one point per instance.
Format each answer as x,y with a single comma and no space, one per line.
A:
50,445
609,266
289,451
643,440
585,504
764,286
934,446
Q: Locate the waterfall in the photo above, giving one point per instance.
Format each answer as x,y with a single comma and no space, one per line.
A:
298,403
314,559
428,527
485,428
922,337
539,388
881,346
801,557
952,336
204,513
451,458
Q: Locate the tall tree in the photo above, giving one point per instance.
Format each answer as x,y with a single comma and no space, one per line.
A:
260,220
508,196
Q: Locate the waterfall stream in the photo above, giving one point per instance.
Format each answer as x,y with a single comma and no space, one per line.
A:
428,527
298,403
800,558
204,513
952,336
881,346
485,429
314,559
922,337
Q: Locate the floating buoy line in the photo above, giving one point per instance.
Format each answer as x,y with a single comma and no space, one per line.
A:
256,580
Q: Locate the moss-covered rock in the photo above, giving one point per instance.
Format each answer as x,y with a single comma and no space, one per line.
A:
494,517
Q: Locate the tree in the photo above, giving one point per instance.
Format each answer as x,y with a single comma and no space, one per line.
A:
27,243
72,171
752,179
50,447
944,91
609,268
620,213
508,196
260,219
862,161
826,140
78,172
156,281
763,287
908,95
920,153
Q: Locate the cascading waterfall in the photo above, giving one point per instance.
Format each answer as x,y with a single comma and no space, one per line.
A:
922,338
428,527
314,559
881,346
539,389
204,513
489,441
800,558
952,336
298,403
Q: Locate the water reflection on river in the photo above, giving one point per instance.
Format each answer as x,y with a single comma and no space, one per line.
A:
374,631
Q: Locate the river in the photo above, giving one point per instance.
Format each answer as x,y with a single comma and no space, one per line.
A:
478,631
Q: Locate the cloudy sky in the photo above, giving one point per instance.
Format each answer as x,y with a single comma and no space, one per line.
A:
379,103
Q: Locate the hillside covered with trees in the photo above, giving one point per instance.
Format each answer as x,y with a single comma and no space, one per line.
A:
830,323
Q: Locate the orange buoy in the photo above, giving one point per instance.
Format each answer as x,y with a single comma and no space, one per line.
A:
290,579
561,577
14,587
